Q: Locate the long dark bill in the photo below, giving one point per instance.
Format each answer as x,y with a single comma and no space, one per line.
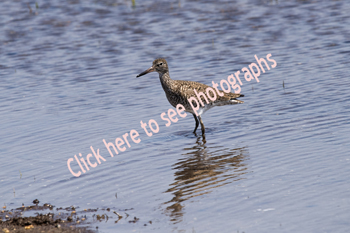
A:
151,69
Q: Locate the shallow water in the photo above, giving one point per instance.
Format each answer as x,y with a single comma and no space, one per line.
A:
277,163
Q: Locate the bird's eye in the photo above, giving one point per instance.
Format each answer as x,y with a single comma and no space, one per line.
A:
161,64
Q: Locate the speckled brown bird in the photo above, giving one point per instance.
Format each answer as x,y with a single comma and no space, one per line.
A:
179,91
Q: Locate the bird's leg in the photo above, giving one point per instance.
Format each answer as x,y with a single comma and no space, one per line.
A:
197,123
202,125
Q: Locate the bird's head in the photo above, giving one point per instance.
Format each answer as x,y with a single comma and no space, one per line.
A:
159,65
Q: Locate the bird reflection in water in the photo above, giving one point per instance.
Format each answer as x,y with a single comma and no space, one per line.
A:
202,169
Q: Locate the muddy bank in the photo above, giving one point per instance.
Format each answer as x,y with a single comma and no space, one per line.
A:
48,218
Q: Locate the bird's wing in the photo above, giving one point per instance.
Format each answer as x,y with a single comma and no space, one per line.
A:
186,90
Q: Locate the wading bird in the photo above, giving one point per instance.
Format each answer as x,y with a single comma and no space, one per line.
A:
179,91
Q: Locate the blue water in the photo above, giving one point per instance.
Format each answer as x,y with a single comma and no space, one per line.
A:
277,163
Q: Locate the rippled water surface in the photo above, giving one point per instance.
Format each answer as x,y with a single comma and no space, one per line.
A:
277,163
